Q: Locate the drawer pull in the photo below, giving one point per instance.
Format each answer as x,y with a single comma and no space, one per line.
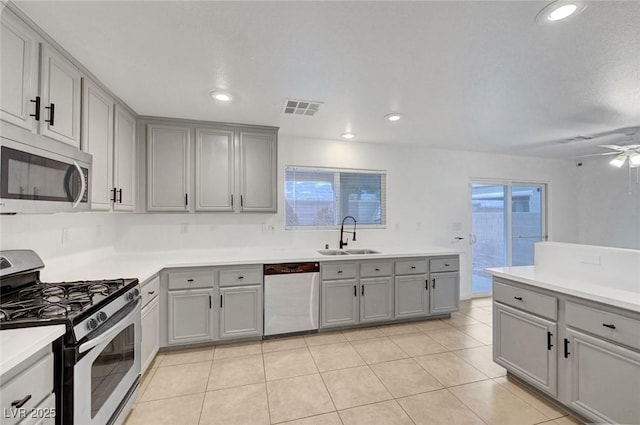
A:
339,271
518,298
19,403
240,277
566,348
549,344
447,265
189,280
151,292
413,267
377,269
610,326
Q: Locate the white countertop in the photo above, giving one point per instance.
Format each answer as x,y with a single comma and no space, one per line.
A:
144,265
598,292
17,345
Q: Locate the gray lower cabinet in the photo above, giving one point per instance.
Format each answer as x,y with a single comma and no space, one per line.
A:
411,296
526,345
445,292
603,379
191,316
376,299
150,332
339,303
240,311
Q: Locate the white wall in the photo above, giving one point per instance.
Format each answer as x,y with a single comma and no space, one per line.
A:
608,204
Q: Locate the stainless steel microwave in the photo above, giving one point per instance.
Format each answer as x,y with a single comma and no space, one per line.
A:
38,180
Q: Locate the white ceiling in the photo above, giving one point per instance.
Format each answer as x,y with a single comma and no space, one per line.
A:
474,75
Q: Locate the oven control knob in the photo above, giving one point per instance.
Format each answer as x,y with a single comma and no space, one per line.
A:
129,296
102,316
92,324
136,292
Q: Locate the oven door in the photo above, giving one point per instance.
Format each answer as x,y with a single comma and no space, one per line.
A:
109,368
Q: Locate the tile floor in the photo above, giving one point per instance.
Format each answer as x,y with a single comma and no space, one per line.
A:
430,372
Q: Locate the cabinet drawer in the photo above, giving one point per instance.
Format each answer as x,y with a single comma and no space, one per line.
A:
605,324
411,267
187,280
444,265
241,276
533,302
150,290
376,269
36,381
338,271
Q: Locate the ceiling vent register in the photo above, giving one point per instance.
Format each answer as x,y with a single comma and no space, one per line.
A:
301,107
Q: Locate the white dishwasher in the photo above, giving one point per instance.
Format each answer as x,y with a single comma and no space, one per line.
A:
291,297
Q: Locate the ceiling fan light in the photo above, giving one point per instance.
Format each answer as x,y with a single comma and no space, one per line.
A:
634,160
618,161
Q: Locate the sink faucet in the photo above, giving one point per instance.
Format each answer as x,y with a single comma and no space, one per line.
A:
342,231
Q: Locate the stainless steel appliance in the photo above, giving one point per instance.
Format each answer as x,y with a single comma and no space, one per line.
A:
291,297
43,178
98,359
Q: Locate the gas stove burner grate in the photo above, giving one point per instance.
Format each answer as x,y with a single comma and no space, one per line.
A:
54,310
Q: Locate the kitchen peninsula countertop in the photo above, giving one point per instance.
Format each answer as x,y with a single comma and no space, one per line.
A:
17,345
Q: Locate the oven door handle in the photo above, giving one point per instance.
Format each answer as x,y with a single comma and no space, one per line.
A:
83,185
113,331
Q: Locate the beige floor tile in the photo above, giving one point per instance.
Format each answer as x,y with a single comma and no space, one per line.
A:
450,369
545,407
482,302
405,377
354,387
335,356
385,413
156,361
183,410
453,339
173,358
481,314
378,350
401,328
360,334
438,408
482,359
326,419
236,372
299,397
236,406
431,325
496,405
480,331
324,338
460,319
146,379
173,381
568,420
417,344
236,350
280,344
288,363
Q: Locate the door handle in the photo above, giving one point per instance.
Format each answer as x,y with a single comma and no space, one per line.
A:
362,291
566,348
119,196
52,111
209,301
549,344
36,115
232,200
114,190
426,284
220,300
433,283
355,291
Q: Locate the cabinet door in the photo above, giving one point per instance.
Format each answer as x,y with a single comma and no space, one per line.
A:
19,71
240,311
150,332
526,346
445,293
339,303
60,98
97,139
190,316
376,299
258,165
46,409
124,164
411,296
603,379
168,175
214,170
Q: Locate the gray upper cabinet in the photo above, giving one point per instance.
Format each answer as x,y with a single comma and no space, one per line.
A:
376,299
97,139
60,86
257,172
168,168
214,170
19,74
411,296
240,311
124,153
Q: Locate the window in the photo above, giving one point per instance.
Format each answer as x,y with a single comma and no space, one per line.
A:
322,197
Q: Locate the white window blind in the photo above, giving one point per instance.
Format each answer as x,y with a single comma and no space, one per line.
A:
322,197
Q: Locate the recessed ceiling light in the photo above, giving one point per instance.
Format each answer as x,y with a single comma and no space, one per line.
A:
222,96
348,135
393,116
559,10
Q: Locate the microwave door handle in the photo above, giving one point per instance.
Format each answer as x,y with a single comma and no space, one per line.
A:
83,185
107,335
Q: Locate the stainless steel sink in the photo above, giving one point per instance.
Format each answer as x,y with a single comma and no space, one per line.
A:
333,252
362,251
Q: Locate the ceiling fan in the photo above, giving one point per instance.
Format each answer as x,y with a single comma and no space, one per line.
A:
632,152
